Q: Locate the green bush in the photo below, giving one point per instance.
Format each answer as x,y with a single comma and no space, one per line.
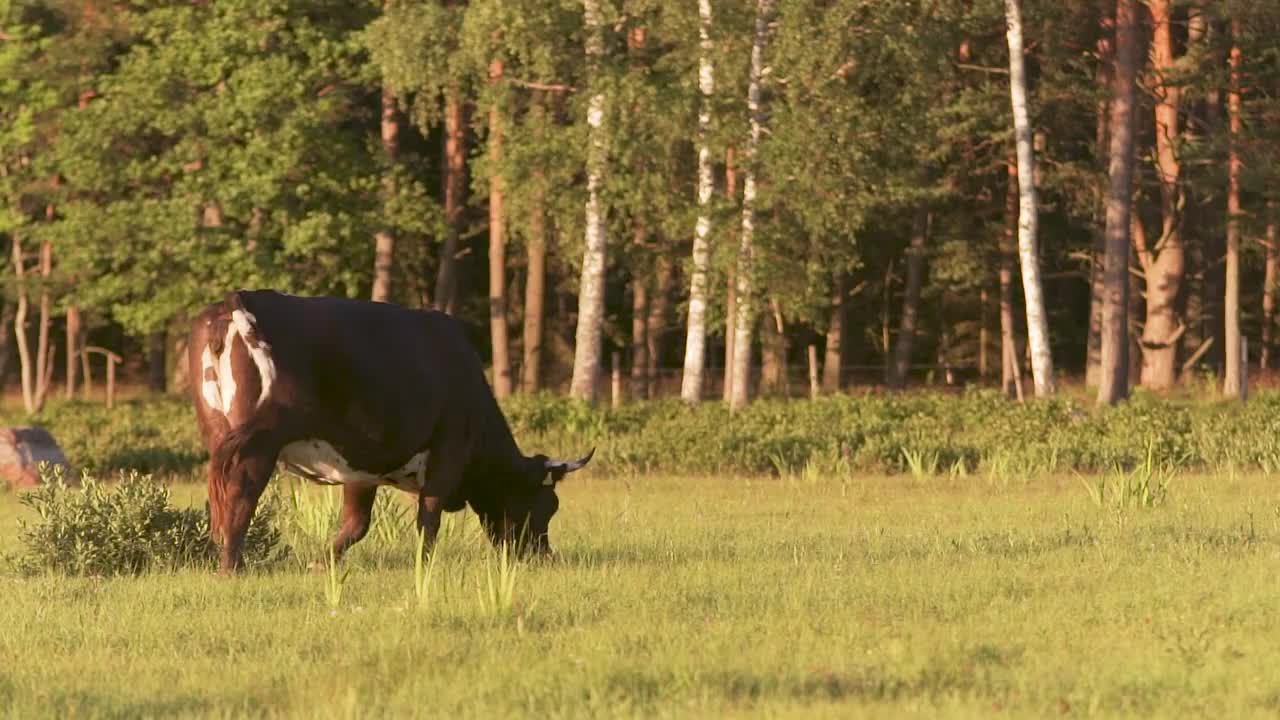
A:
975,430
127,527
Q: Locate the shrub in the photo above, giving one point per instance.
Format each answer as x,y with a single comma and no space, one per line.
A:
127,527
978,430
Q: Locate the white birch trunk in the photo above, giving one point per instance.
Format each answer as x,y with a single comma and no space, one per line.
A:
586,354
1037,321
745,321
1233,381
696,340
20,326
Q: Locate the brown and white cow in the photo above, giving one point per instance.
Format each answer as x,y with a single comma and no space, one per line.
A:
360,394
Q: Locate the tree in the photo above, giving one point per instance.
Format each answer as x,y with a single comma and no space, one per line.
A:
1113,384
833,357
745,295
1164,262
1097,253
497,247
1231,385
535,289
385,239
454,182
1270,278
908,323
1028,253
1011,366
696,338
587,349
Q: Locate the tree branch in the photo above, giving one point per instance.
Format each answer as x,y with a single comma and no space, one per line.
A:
549,87
981,68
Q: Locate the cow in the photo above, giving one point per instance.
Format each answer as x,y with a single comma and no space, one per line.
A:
361,394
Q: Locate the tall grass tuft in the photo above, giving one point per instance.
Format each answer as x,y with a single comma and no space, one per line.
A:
335,581
497,592
424,567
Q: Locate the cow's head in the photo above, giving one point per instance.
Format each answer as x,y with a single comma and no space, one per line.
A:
525,514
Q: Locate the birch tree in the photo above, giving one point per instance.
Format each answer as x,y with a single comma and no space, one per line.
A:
1231,384
744,297
587,348
1028,251
696,337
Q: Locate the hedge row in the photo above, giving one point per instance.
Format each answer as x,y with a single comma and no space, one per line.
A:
972,431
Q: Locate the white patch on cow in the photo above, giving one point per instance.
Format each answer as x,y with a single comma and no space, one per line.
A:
243,321
227,380
317,460
209,387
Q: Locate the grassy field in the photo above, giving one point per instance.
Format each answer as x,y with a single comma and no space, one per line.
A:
702,597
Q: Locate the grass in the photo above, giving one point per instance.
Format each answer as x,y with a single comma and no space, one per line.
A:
704,597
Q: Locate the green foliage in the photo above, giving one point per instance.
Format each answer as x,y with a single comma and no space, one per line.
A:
918,433
127,527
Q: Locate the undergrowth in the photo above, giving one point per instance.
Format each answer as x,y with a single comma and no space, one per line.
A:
127,527
977,432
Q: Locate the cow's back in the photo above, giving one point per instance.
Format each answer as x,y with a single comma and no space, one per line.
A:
373,378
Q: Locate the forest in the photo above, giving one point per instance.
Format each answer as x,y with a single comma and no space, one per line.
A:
720,199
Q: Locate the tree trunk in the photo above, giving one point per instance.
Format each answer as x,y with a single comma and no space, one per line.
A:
1194,304
498,250
1102,77
1113,380
1010,368
731,285
156,353
1232,386
44,353
384,244
1164,264
20,327
656,328
7,310
1269,286
1028,222
909,321
984,334
587,349
639,334
535,283
833,358
774,372
74,344
455,183
695,347
739,394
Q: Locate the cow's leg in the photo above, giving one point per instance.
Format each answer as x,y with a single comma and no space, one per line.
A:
430,508
446,460
244,485
357,514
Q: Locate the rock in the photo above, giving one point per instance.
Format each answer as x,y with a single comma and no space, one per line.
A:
22,449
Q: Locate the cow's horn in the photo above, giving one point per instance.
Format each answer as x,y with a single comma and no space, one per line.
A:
568,466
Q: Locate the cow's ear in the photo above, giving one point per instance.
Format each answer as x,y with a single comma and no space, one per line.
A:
557,469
